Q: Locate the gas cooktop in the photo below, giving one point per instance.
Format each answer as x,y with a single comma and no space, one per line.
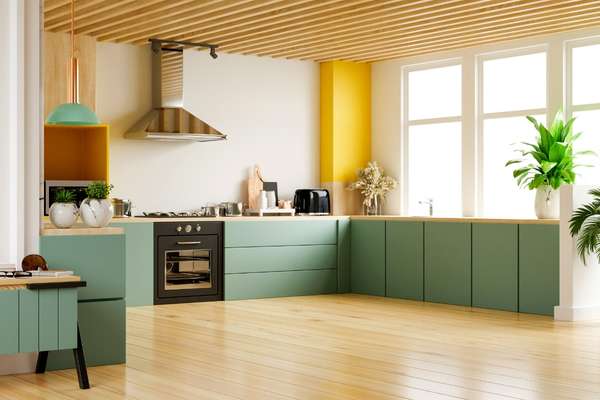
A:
171,214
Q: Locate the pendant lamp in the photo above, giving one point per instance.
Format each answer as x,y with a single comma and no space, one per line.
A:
73,113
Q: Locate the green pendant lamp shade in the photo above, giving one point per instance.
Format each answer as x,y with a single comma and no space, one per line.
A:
72,114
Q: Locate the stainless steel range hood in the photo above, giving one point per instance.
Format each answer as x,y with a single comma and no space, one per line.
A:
168,120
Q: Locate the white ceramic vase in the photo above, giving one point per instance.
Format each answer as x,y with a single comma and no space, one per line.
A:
96,213
63,215
547,204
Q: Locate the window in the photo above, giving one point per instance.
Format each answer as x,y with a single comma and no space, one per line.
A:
584,104
434,131
512,88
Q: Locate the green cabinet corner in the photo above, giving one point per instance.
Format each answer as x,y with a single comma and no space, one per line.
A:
538,268
343,255
447,262
495,266
404,259
367,255
139,262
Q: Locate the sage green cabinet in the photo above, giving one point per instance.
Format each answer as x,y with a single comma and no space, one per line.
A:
280,233
343,255
447,271
404,260
139,262
102,326
280,258
9,322
280,284
367,254
100,261
495,266
538,268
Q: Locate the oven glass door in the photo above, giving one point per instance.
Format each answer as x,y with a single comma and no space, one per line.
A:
187,265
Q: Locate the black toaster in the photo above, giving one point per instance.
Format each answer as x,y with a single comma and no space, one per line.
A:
312,202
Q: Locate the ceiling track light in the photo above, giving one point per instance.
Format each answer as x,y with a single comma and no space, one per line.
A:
159,42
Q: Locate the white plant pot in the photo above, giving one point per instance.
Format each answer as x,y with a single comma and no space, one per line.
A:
63,215
547,204
96,213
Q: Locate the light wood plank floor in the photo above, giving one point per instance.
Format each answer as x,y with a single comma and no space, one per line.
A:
336,347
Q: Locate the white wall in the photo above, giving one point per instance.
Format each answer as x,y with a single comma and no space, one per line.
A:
269,109
4,137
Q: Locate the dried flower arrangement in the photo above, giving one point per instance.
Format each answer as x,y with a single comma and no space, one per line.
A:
373,184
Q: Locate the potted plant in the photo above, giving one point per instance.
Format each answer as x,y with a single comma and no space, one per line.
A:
63,212
585,224
374,186
96,210
547,164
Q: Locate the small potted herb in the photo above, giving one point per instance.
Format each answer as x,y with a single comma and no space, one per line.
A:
63,212
96,209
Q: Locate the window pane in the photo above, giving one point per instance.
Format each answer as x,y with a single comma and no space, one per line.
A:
514,83
434,169
586,80
501,195
434,93
588,122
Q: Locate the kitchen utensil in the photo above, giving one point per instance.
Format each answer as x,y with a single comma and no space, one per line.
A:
285,204
255,185
233,209
312,202
214,211
271,186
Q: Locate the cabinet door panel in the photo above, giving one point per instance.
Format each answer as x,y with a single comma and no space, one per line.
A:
48,319
447,272
495,266
404,260
367,252
28,320
279,258
9,322
538,268
279,233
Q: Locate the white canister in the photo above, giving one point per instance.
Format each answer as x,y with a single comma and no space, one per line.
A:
263,200
271,199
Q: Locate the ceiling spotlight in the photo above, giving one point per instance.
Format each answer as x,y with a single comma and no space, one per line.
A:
213,52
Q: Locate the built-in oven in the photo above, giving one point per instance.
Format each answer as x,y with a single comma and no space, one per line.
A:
188,262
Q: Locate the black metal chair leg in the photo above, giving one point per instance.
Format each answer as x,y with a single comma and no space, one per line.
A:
42,361
82,374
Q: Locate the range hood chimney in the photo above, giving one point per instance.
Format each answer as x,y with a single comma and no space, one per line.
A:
169,120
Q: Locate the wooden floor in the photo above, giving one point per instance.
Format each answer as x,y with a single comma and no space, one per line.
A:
336,347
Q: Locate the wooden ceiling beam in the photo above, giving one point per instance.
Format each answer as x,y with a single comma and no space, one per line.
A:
436,31
351,16
265,13
82,8
201,17
367,24
465,43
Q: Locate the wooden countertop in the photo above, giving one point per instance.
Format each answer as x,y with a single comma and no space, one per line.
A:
79,230
20,283
243,218
484,220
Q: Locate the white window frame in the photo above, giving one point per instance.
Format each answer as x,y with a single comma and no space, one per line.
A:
481,116
569,46
406,123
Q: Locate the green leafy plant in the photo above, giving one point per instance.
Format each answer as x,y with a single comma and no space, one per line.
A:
585,224
98,190
65,196
550,161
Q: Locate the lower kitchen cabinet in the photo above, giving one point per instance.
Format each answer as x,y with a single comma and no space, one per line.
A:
404,260
538,268
280,258
280,284
367,254
495,266
343,255
447,271
102,327
139,262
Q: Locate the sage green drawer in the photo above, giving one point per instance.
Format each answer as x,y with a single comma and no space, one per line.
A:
280,284
279,233
97,259
9,322
282,258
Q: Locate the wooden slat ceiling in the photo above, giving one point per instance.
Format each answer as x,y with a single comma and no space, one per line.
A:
323,30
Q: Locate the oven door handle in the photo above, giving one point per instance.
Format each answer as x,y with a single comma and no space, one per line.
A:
188,243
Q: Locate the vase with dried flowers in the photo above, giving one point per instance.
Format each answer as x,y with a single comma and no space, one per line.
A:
373,186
